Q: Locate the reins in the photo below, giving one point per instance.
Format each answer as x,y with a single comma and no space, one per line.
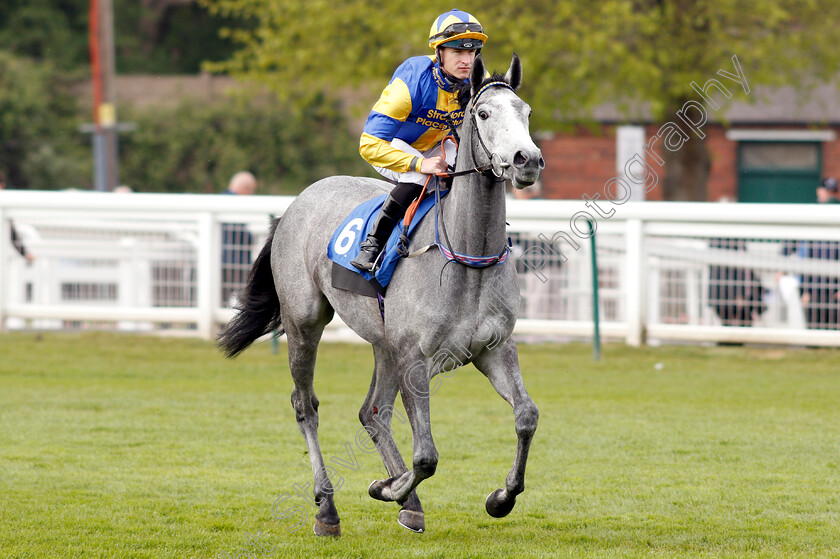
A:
483,170
486,170
463,259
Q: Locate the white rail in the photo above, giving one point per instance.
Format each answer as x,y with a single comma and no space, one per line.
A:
154,262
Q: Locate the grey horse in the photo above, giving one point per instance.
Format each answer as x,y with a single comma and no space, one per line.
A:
441,311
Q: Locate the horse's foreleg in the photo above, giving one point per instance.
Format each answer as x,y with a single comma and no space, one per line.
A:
414,389
376,416
501,367
302,351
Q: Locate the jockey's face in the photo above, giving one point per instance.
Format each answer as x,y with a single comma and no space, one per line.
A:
457,62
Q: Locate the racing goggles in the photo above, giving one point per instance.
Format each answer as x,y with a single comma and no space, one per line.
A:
458,29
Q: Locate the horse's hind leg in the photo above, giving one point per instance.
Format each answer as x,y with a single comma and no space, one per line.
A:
501,367
376,415
303,345
414,390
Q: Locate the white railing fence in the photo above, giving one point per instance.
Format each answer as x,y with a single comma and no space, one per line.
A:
667,271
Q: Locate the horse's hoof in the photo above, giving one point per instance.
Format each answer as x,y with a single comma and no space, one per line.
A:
377,490
412,520
496,506
322,529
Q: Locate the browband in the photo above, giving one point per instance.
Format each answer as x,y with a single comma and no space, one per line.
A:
489,85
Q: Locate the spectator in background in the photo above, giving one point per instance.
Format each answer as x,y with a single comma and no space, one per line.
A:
827,192
736,294
820,295
242,182
16,240
236,242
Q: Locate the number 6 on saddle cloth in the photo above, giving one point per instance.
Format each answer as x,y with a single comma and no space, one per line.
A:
344,247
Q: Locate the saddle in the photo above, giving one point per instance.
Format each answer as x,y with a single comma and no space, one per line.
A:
344,247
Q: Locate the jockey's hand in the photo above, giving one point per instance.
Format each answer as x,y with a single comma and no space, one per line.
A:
433,165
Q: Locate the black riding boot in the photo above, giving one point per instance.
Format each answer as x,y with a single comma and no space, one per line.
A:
392,210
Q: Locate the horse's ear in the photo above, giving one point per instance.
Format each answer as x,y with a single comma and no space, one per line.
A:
477,75
514,73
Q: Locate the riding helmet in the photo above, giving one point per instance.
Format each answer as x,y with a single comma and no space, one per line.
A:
456,29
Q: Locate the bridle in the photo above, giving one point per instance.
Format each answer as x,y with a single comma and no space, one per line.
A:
485,170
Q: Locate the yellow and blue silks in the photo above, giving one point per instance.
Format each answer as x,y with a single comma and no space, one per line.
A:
412,108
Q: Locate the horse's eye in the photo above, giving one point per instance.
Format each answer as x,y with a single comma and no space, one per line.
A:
483,115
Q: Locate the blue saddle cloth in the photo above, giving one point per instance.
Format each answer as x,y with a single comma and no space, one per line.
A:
344,244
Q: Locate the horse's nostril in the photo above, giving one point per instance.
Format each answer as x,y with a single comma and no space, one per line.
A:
519,159
542,163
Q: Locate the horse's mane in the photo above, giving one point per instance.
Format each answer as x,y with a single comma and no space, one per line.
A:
465,89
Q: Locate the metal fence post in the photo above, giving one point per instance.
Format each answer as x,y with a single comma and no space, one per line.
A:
596,313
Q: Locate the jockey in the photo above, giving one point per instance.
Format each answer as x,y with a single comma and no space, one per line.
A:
404,130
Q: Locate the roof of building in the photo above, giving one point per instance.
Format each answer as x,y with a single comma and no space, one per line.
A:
763,105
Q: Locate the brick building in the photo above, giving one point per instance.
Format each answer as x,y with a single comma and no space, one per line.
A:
775,149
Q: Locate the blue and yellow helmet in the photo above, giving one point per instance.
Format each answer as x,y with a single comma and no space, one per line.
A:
456,29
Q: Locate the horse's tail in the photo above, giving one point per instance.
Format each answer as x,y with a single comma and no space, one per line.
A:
258,309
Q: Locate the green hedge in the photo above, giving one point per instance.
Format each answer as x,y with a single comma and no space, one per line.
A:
197,148
40,145
193,147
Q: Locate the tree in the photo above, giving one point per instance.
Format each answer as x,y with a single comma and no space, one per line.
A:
53,30
653,50
198,147
167,36
152,36
40,145
577,54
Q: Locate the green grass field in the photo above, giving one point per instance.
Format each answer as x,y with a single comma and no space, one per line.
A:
127,446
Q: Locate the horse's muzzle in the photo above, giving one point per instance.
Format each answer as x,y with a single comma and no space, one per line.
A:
527,166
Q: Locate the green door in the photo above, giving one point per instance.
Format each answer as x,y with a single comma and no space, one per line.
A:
779,172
